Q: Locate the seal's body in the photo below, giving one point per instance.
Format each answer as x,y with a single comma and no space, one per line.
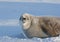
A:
41,27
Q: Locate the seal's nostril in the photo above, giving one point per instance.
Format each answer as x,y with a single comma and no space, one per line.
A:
20,18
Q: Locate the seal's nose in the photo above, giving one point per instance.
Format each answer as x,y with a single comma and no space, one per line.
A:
21,18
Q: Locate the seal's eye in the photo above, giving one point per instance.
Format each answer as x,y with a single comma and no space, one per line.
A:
24,18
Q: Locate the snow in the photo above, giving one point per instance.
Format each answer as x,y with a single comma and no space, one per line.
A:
10,39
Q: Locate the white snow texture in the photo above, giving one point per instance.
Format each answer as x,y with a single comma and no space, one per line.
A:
10,39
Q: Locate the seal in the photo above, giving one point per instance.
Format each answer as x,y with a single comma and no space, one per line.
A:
40,26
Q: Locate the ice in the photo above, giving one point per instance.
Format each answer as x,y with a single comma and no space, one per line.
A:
10,39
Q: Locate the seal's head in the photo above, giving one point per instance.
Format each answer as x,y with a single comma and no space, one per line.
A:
26,20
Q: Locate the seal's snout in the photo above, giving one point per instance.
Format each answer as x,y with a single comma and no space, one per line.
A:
21,18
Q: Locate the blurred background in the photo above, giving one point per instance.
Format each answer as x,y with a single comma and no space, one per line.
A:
10,11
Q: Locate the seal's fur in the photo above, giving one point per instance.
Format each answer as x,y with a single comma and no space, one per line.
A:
41,27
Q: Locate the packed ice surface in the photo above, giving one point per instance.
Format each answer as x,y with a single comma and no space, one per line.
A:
10,39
